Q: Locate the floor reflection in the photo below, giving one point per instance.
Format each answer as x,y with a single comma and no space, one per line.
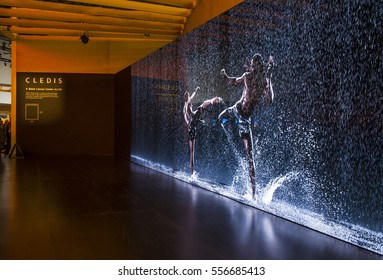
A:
100,208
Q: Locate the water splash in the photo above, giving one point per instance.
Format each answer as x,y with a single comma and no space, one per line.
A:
275,184
240,181
194,176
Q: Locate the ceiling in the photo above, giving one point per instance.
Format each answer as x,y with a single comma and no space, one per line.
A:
101,19
120,32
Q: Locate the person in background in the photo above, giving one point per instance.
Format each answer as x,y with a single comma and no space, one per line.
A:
2,135
7,131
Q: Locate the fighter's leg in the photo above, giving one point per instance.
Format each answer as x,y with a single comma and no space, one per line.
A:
191,151
212,101
248,145
225,116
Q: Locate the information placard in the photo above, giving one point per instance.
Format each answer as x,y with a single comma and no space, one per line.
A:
40,97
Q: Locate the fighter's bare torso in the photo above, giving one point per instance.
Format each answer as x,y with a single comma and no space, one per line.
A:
254,88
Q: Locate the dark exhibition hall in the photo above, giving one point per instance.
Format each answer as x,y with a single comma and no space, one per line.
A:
199,131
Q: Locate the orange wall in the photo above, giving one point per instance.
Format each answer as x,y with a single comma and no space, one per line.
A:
69,56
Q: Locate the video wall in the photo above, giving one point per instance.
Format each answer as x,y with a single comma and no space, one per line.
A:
276,105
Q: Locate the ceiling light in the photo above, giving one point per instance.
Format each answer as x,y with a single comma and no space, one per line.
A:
84,38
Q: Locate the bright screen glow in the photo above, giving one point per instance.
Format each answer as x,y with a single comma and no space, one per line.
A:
296,131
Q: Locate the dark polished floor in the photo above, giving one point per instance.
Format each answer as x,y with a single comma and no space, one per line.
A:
101,208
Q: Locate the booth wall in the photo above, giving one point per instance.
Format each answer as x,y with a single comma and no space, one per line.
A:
317,148
122,114
78,121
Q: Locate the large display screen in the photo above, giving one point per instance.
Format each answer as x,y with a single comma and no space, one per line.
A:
277,105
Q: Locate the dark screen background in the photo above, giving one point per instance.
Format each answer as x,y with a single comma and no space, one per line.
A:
318,146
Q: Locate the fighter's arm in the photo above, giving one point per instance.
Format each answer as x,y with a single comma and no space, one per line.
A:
233,80
187,106
193,94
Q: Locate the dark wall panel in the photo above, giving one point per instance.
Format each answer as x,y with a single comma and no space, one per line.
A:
122,114
74,117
